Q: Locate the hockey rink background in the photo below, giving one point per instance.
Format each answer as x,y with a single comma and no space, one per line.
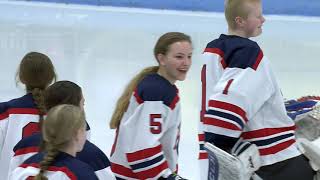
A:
101,48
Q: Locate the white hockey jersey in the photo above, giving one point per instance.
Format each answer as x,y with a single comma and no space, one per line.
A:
18,118
90,154
241,99
146,143
65,167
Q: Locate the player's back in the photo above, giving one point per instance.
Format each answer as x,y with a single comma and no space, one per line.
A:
245,100
64,167
226,53
90,154
18,119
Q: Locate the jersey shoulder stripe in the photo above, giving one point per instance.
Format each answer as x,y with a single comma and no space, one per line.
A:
236,52
65,163
22,105
93,156
90,153
156,88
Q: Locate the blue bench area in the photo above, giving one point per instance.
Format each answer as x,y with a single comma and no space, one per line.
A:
280,7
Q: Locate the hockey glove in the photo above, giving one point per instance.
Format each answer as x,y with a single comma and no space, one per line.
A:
173,177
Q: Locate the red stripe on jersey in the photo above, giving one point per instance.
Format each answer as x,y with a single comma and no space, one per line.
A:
220,123
203,155
65,170
230,107
23,111
215,51
18,111
174,102
177,169
220,53
30,178
115,142
4,115
258,60
276,148
266,132
143,154
138,98
153,172
27,150
123,171
204,91
201,137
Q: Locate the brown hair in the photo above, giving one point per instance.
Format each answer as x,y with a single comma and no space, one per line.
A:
162,47
163,44
236,8
61,124
62,92
36,71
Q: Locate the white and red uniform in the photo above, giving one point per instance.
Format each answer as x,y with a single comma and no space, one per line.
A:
90,154
64,167
146,144
19,118
241,99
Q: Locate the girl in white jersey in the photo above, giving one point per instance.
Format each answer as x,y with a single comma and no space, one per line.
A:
147,115
19,117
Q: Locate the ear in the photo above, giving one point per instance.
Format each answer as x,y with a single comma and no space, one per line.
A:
161,59
239,21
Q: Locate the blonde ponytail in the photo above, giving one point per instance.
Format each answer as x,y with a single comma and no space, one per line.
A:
123,101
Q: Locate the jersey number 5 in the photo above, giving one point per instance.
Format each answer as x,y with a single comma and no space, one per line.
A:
155,123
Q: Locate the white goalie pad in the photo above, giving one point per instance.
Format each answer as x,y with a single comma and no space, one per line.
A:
311,151
309,126
224,166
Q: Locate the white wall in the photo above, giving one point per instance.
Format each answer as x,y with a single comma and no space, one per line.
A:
101,48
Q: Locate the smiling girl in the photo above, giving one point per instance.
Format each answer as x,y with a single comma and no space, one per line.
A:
147,116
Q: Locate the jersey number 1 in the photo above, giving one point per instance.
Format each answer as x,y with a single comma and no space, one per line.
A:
155,124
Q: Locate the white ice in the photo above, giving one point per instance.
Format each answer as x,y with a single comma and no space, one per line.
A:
101,48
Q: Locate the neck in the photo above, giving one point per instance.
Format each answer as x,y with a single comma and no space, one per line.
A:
70,150
166,76
237,33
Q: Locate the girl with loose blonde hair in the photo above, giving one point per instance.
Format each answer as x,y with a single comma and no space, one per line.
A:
147,115
20,117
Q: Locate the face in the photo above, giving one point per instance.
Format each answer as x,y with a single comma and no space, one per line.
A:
81,138
253,24
175,64
81,105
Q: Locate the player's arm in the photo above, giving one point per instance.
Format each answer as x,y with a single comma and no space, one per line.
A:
236,98
97,159
144,130
105,173
4,115
24,149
